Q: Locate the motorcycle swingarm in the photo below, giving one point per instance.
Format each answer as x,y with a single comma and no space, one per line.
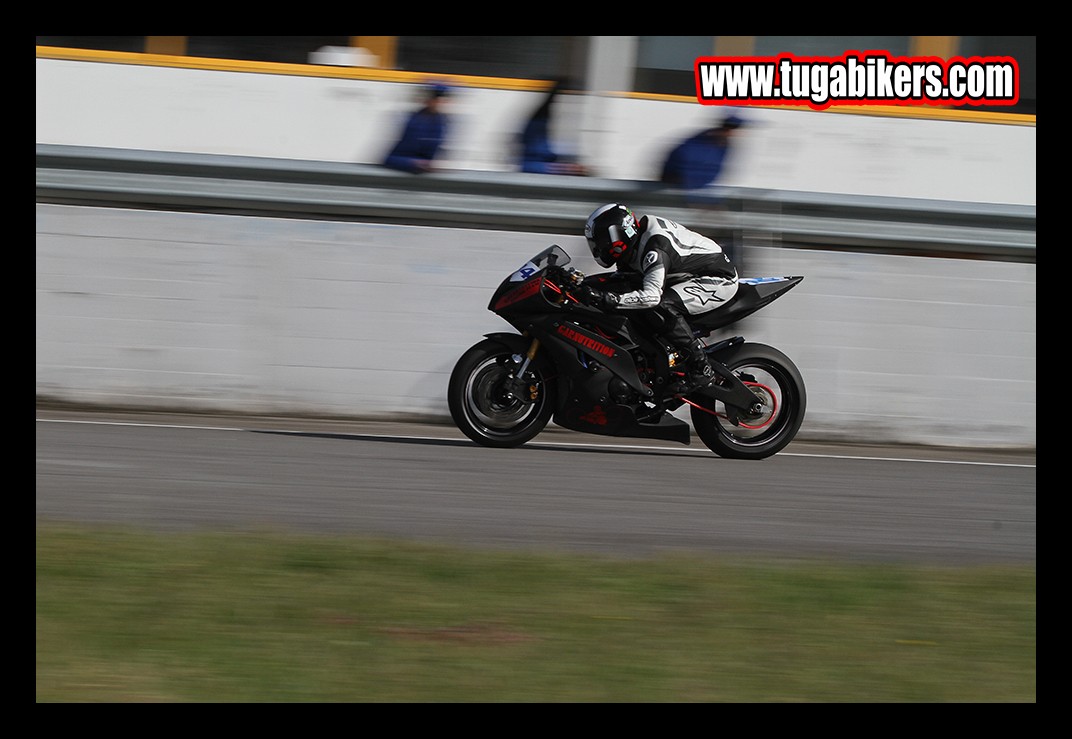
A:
736,396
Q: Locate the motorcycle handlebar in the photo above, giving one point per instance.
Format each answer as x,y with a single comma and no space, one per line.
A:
574,276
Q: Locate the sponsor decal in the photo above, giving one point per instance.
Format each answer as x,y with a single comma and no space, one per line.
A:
527,271
855,78
519,293
596,416
759,280
703,294
586,341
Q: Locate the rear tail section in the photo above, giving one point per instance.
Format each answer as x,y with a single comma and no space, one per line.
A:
753,293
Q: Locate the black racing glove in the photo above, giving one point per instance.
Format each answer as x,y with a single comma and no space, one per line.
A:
599,298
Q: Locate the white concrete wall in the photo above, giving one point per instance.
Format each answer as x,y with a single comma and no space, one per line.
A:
257,314
220,312
267,115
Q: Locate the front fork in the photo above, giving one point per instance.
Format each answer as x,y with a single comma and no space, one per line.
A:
515,387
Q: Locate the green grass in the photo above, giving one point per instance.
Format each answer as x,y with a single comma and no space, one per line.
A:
127,616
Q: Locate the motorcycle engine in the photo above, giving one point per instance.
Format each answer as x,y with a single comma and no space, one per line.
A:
621,392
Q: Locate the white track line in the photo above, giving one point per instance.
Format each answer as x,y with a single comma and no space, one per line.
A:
579,445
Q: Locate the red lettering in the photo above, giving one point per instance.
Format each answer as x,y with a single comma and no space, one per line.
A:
586,341
527,290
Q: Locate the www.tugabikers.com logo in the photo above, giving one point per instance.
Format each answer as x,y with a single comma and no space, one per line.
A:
855,78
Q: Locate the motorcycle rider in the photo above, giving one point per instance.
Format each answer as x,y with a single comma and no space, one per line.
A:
680,272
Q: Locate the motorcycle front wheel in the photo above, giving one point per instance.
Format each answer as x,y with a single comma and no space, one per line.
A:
491,409
778,387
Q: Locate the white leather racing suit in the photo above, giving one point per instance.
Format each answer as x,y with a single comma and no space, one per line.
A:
679,268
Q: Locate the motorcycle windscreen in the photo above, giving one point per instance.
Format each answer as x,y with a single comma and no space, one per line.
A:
552,256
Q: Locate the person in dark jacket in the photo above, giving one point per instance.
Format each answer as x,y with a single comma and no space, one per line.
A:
697,161
538,155
423,135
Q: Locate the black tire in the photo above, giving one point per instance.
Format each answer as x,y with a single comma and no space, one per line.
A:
478,405
777,383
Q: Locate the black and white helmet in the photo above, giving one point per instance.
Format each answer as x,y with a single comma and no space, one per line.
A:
612,232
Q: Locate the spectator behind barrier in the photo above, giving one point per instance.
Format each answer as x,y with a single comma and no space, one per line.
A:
538,155
423,135
697,162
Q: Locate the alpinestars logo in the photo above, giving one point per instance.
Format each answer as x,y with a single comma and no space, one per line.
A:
854,78
703,294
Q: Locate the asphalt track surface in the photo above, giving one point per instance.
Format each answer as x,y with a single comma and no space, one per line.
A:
562,492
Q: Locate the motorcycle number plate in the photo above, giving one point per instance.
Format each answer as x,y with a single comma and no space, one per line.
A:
526,271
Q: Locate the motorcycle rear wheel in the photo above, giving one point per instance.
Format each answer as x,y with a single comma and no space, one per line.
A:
779,387
483,410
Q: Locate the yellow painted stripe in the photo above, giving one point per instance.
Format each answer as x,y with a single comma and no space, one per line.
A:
303,70
496,83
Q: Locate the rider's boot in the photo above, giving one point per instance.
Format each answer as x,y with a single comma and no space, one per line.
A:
698,370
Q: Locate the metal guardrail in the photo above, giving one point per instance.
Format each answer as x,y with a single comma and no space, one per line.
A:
521,202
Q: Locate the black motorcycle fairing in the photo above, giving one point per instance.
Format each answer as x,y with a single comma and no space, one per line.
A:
584,403
609,373
516,343
574,346
614,419
588,401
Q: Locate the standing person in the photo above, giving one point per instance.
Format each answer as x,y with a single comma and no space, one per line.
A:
680,273
423,135
538,155
698,161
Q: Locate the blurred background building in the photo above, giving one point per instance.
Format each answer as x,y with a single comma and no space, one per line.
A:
656,65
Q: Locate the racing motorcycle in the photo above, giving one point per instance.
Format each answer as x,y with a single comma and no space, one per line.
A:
598,372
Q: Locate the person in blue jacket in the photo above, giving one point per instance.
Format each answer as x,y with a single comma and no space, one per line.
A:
537,153
697,161
422,136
